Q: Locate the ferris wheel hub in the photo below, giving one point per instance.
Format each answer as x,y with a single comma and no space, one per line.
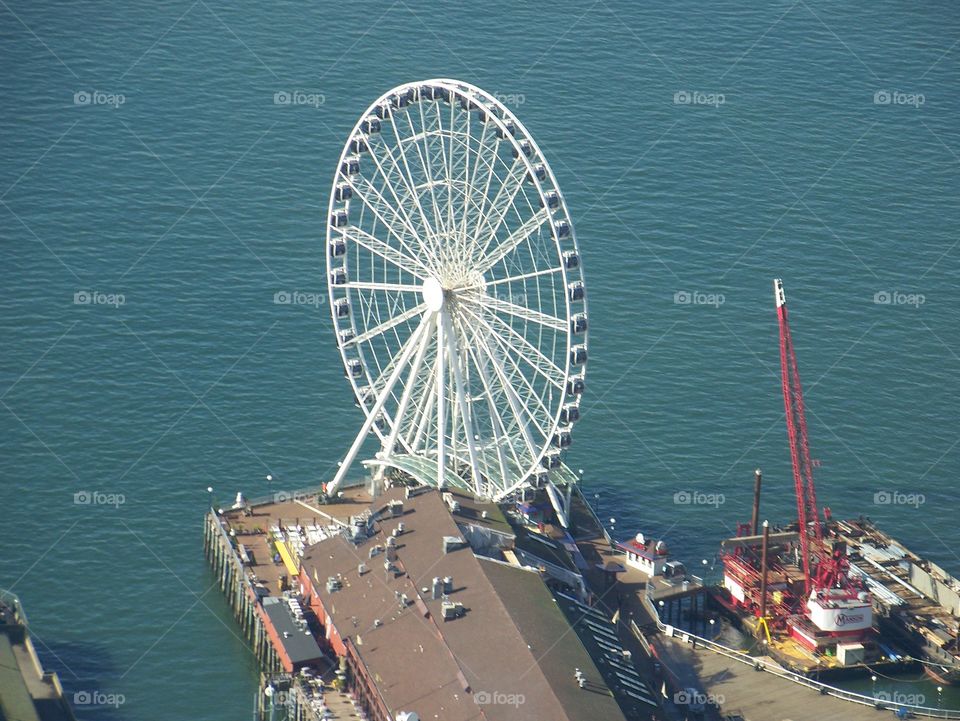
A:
433,294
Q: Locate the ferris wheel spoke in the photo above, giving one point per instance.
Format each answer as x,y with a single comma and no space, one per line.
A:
441,405
383,373
386,251
518,311
540,362
392,287
378,406
526,276
394,436
403,171
426,161
447,158
387,325
381,208
512,241
406,177
525,383
520,411
500,437
423,412
500,206
493,156
461,396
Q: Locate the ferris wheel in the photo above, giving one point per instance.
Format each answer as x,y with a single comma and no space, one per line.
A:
456,291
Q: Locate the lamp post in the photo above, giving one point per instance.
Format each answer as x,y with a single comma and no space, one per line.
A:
712,622
874,679
939,697
210,497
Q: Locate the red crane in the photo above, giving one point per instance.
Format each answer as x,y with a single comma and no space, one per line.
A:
807,513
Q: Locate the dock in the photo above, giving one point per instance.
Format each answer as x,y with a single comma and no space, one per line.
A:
27,692
755,695
252,552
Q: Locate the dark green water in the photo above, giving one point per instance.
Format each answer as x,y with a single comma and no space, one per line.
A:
198,199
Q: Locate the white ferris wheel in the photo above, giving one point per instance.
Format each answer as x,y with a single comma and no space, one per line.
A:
456,291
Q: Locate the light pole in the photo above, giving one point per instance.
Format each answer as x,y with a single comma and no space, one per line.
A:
939,697
874,679
712,621
210,497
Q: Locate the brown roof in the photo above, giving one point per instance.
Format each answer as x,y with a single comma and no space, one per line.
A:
446,669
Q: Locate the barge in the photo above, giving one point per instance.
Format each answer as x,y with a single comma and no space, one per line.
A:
916,602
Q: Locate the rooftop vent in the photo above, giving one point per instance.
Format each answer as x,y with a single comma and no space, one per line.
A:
451,610
452,543
414,491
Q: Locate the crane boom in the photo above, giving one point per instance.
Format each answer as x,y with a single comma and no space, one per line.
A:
807,513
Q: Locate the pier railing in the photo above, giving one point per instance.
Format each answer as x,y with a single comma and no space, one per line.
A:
766,666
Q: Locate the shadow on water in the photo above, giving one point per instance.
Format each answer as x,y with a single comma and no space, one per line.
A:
90,677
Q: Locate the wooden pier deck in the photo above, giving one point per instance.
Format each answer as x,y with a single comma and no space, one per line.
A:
756,695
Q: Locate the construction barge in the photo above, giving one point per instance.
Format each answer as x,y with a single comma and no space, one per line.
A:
903,629
833,597
916,602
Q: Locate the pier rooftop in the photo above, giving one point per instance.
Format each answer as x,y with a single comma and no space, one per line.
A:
493,637
437,603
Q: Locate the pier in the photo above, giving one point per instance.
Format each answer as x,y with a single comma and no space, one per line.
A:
693,669
298,681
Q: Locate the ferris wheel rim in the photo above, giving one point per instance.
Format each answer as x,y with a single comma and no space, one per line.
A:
427,290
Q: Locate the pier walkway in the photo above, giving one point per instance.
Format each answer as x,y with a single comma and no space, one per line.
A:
755,695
